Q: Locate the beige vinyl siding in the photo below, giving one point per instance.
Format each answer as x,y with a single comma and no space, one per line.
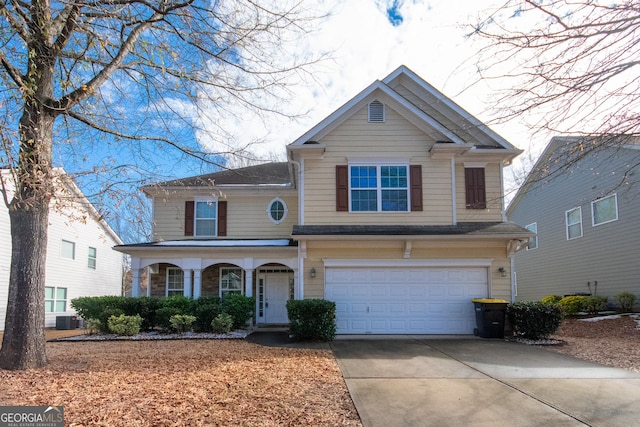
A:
396,138
493,184
394,249
247,216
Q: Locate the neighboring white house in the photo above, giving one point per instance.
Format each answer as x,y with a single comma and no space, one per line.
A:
80,258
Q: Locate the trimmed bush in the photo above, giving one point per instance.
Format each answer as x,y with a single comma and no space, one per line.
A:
182,322
551,299
222,323
125,325
104,317
626,301
146,307
205,309
93,326
103,307
593,304
533,319
164,314
312,319
240,308
571,304
179,302
92,307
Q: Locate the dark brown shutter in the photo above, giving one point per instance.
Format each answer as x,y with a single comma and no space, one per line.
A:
475,188
222,217
189,207
415,176
342,188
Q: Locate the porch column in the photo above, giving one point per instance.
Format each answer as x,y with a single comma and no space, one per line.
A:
197,283
187,283
135,282
248,283
148,281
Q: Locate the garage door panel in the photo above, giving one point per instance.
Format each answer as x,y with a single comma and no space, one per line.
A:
413,300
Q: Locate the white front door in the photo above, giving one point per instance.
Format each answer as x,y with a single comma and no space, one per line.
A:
276,297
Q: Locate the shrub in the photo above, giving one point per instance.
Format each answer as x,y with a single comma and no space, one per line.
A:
205,309
551,299
179,302
125,325
571,304
182,322
312,319
146,307
93,325
240,308
626,301
593,304
222,323
164,314
105,315
93,307
534,320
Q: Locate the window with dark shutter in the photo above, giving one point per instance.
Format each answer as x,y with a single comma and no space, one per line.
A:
189,208
475,188
222,218
415,176
342,188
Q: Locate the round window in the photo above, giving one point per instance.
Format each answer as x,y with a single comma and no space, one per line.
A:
277,211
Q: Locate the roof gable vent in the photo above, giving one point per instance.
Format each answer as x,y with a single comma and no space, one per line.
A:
376,111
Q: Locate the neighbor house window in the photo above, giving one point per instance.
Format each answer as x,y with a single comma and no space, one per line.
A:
206,214
533,243
574,223
277,210
55,299
230,281
91,261
604,210
68,249
175,281
379,188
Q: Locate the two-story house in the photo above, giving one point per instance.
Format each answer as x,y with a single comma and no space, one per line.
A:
582,203
80,259
392,207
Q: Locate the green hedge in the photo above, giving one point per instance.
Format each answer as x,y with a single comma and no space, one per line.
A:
533,319
240,307
312,319
626,301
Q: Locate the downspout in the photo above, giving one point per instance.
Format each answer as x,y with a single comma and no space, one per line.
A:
454,212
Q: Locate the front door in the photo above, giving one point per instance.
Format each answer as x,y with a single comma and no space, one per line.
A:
276,297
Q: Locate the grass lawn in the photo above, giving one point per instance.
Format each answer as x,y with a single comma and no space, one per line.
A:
184,383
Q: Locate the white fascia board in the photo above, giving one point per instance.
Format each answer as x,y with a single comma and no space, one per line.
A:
449,262
438,237
403,70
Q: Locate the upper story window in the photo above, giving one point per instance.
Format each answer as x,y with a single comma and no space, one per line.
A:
277,210
206,214
604,210
376,112
533,243
91,260
574,223
175,281
475,189
205,218
68,249
379,188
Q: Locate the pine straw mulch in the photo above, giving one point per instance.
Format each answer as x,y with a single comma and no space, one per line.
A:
185,383
610,341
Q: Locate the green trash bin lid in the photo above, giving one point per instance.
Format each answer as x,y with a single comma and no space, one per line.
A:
488,300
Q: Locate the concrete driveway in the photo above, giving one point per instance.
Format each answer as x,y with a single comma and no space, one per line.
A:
479,382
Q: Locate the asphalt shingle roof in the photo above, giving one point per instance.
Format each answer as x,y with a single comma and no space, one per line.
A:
265,174
462,228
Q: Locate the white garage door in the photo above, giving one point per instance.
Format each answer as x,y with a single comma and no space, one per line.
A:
402,300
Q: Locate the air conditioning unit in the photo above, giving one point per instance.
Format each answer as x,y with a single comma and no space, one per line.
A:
66,322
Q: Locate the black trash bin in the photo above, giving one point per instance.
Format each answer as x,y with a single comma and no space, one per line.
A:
490,314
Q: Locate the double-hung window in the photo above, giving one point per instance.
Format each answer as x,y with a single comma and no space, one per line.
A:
91,259
574,223
206,216
604,210
55,299
379,188
175,281
230,281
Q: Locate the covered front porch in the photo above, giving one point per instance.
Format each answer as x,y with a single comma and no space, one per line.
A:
266,270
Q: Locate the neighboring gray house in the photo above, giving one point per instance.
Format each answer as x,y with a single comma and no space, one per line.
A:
586,213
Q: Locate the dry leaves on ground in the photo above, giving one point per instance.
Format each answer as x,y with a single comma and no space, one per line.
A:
613,341
180,383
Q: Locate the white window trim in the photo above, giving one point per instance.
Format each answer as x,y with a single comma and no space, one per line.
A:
593,216
222,270
378,166
166,283
210,200
56,300
566,221
286,210
73,249
535,238
92,258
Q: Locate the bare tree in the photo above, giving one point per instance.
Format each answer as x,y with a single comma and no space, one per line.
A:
134,76
569,67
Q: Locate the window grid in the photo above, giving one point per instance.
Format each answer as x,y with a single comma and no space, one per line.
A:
277,211
230,281
91,260
55,299
379,188
175,281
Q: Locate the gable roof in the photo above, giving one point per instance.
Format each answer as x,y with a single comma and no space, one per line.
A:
421,104
270,174
563,153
